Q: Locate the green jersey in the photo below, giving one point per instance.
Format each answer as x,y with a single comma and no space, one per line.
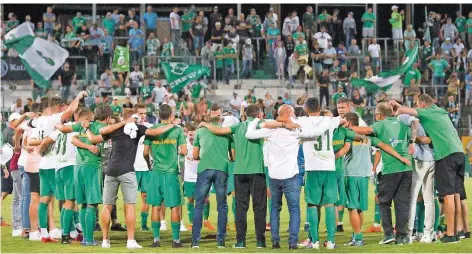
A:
229,55
368,19
249,159
357,161
257,31
79,21
460,24
298,34
396,134
109,24
186,22
339,137
164,149
411,74
117,109
323,17
468,24
219,59
119,90
84,156
150,108
426,52
197,89
214,150
397,20
146,92
439,67
301,49
337,96
439,128
12,24
253,98
308,20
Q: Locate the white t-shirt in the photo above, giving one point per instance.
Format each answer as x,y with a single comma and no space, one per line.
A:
176,23
45,127
136,78
64,150
191,165
15,109
374,50
140,163
287,26
318,152
458,48
295,23
236,102
159,93
171,103
322,39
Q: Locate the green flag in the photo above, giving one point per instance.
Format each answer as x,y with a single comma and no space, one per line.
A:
384,80
180,75
40,57
120,59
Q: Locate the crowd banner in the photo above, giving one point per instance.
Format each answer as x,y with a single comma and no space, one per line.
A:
40,58
180,75
121,59
13,69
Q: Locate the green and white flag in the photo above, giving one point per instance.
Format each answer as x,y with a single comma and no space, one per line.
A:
180,75
40,57
384,80
120,59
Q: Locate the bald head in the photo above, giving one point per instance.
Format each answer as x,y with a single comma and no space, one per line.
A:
286,110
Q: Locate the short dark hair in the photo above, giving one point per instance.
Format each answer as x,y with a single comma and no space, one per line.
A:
253,110
84,111
426,99
343,100
55,101
215,107
140,105
312,105
192,126
353,118
165,111
384,109
102,112
299,111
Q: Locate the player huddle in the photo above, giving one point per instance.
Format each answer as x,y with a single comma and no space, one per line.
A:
328,157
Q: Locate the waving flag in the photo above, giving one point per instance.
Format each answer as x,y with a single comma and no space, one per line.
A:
40,57
384,80
180,75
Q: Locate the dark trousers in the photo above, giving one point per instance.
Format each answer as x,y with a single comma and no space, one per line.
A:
246,186
324,93
395,187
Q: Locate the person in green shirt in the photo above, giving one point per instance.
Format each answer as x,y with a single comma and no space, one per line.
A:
439,66
164,148
468,25
187,21
145,91
115,107
368,18
426,53
298,34
78,21
150,109
119,88
413,73
339,94
212,151
109,24
396,21
12,22
308,22
167,48
301,48
219,55
323,18
88,190
396,176
197,89
448,155
229,55
460,25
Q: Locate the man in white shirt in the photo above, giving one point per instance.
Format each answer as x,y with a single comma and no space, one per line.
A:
322,37
175,26
275,17
190,174
295,21
374,53
287,27
17,107
135,80
280,153
235,104
159,93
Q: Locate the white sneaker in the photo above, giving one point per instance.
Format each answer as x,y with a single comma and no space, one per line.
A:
55,233
417,237
315,245
305,244
106,244
16,232
132,244
163,226
78,227
330,245
35,236
183,228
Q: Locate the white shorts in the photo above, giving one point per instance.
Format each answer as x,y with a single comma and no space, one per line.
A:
368,32
397,33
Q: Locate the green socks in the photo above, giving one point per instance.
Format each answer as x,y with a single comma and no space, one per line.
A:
340,216
330,221
419,220
62,218
144,217
156,229
43,215
206,211
233,207
377,214
67,221
175,231
190,211
82,213
437,214
358,237
90,220
76,217
313,220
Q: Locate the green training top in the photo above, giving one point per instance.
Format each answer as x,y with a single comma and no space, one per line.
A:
339,137
84,156
165,149
214,150
249,157
396,134
368,19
